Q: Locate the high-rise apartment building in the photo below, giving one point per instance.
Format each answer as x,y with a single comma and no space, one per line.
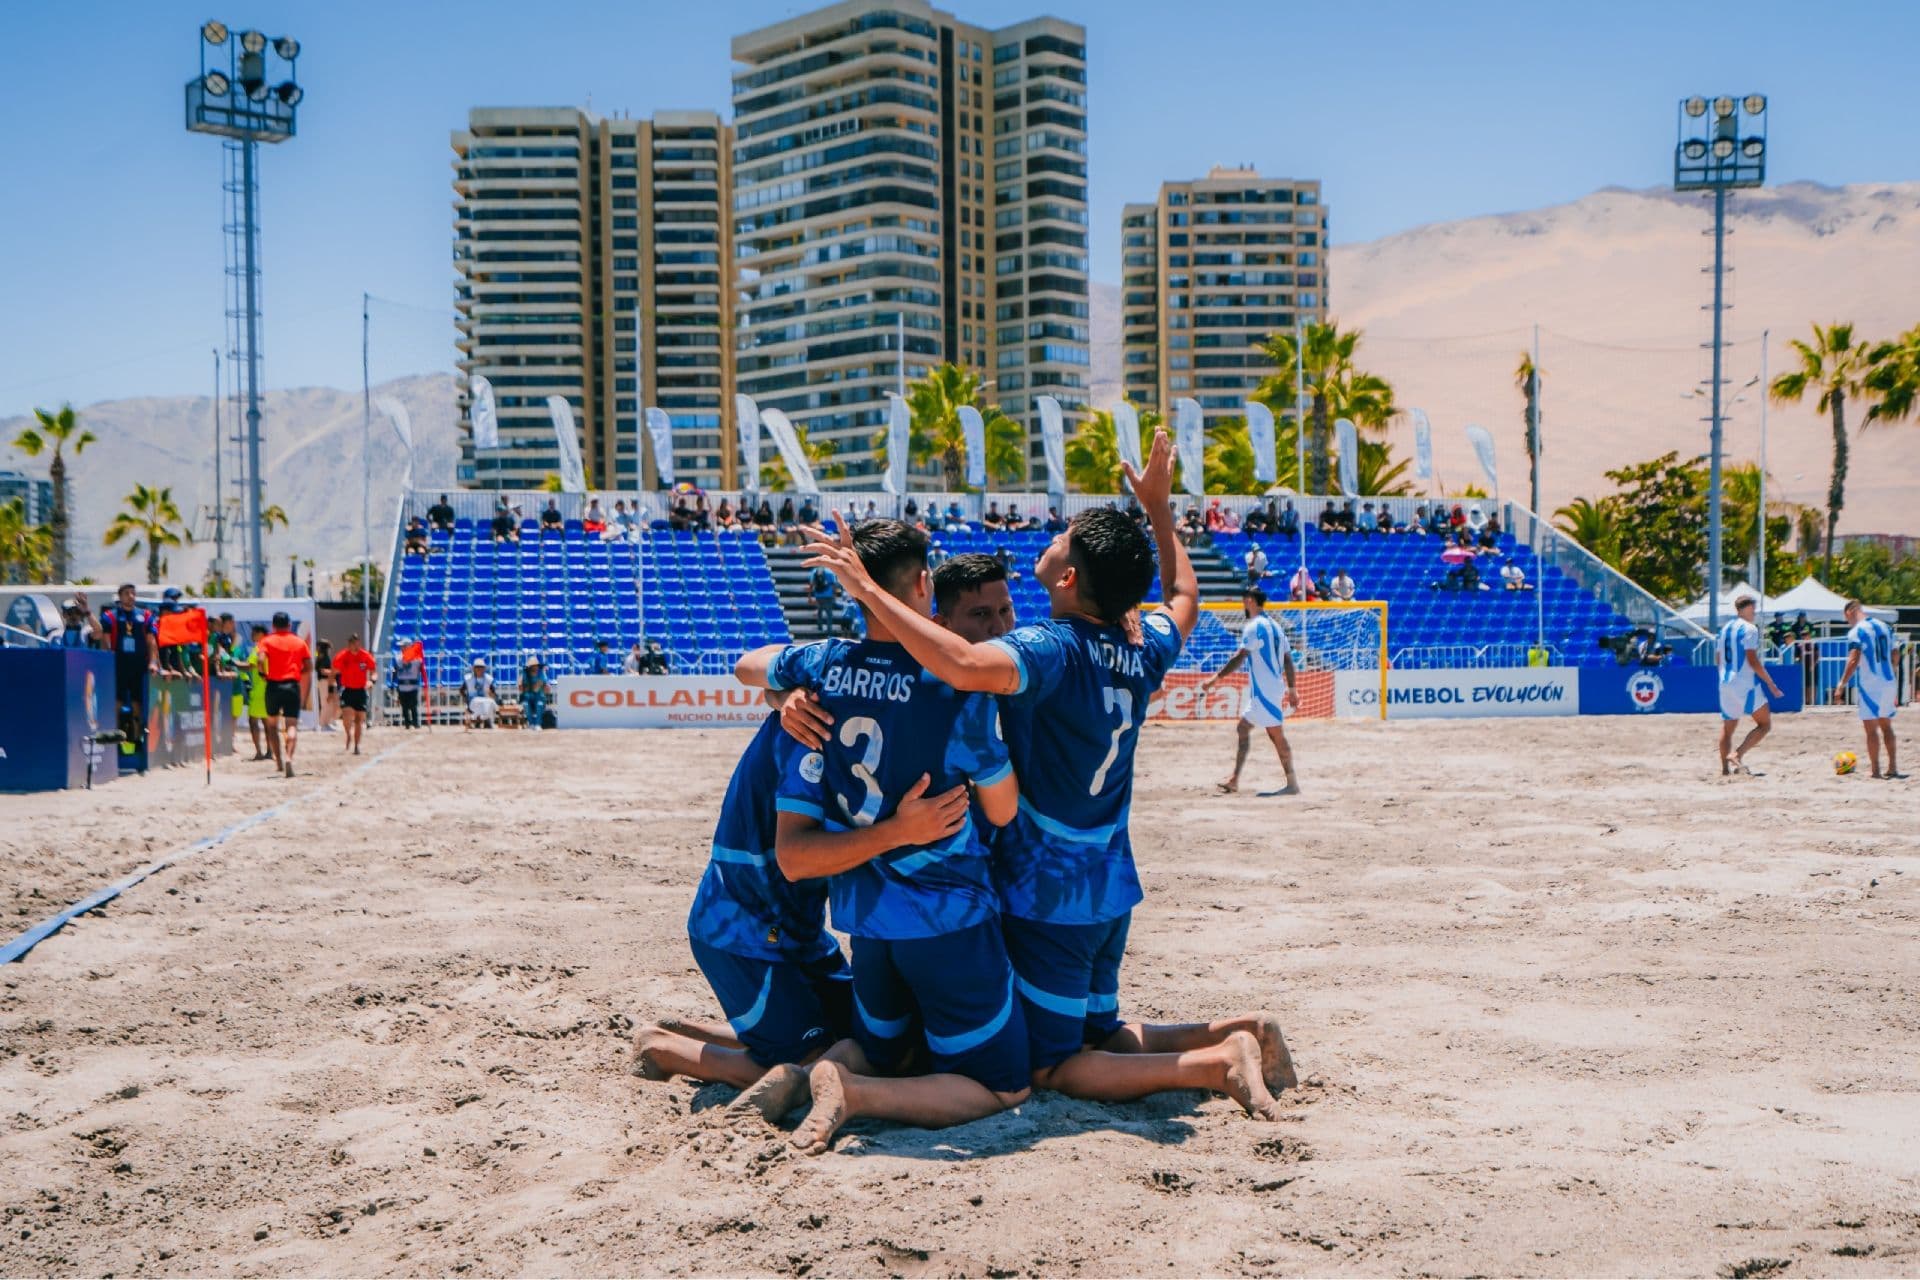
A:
1207,272
899,173
595,263
35,494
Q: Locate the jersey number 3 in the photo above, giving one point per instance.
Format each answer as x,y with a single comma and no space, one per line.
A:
1117,700
868,809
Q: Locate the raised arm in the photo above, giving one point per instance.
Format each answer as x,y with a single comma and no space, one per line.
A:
1179,586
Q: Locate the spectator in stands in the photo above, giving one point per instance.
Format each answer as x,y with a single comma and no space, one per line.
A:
654,660
551,521
1256,565
405,676
1301,586
416,544
595,520
1419,522
602,658
480,698
1476,519
1329,518
505,527
1135,514
937,555
535,694
992,519
1489,539
1368,522
1341,585
809,514
853,623
1287,521
763,521
1256,521
1191,526
1385,517
327,712
1514,578
624,524
1004,558
1216,520
1457,518
821,590
956,521
440,515
702,514
911,511
1437,521
1054,524
724,521
680,515
872,512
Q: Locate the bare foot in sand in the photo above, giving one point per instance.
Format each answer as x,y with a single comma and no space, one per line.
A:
1291,789
1241,1079
1276,1064
773,1095
815,1134
1227,787
643,1064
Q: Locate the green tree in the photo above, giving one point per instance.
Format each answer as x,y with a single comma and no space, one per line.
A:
935,402
350,581
819,456
1895,380
1741,524
1594,525
1377,473
26,550
1229,458
1336,388
1869,572
53,434
1092,455
1807,522
149,521
1661,511
1839,369
1526,379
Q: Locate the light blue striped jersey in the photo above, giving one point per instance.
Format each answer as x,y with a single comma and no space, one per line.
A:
1737,639
1265,643
1873,640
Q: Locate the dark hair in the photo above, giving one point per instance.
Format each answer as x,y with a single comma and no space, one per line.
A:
282,620
964,573
1256,595
890,551
256,628
1851,604
226,617
1114,560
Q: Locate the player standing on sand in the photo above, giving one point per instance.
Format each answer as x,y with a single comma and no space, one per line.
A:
1870,669
1268,656
354,668
289,669
1741,676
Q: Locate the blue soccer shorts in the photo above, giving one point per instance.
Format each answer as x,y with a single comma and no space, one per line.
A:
1068,977
781,1010
957,990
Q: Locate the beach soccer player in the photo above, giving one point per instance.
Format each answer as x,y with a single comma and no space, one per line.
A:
929,961
1073,690
1876,688
1741,678
289,671
1268,656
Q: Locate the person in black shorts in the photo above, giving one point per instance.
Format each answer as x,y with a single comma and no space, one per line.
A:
128,631
289,673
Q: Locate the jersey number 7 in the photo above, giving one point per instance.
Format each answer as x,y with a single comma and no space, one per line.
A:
1120,700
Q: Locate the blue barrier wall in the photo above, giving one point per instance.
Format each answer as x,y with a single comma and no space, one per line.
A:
1621,691
51,700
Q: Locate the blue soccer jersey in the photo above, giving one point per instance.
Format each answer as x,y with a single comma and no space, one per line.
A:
893,722
744,906
1071,731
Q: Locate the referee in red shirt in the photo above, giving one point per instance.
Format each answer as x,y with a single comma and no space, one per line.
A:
289,685
353,667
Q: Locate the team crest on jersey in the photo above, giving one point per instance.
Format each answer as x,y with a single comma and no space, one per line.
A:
1643,690
813,766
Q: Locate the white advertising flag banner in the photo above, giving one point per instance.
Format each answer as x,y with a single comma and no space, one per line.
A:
1347,441
1482,441
660,433
1190,442
799,472
899,434
656,702
1053,442
1126,435
573,473
746,422
973,429
1260,433
1422,444
482,414
402,424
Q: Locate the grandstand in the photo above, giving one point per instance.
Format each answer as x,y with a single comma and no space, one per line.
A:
709,597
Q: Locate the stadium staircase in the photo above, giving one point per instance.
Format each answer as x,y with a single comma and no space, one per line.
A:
790,576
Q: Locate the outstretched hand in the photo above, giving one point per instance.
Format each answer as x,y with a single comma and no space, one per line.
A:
838,557
1153,487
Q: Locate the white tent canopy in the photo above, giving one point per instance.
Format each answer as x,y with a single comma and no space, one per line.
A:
1811,597
1698,611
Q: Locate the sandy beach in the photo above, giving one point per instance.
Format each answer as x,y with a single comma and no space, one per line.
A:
1563,1002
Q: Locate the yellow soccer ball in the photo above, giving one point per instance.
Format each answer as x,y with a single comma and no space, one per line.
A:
1846,762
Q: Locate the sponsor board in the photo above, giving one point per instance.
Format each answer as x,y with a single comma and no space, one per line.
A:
656,702
1624,691
1498,691
1179,698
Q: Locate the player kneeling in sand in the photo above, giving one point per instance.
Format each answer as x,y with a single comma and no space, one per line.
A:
1268,657
1876,688
1741,676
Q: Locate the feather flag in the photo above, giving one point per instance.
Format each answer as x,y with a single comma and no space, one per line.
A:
1190,442
482,414
1482,441
899,432
1260,433
1053,442
660,432
746,422
799,471
1422,444
573,473
1126,435
1349,445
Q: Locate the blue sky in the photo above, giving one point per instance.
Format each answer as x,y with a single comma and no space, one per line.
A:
1410,112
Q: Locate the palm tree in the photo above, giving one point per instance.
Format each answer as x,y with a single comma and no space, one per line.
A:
935,402
1895,380
1806,531
819,456
1229,458
1594,526
1092,454
26,550
1335,386
1527,379
148,520
1840,369
55,432
1740,510
1378,473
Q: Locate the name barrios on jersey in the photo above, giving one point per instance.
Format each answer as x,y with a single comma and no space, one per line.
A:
859,682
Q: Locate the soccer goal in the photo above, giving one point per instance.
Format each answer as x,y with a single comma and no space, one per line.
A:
1339,657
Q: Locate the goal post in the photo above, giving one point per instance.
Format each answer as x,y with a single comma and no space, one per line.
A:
1339,650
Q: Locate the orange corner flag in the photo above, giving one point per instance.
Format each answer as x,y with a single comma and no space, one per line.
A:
189,626
415,652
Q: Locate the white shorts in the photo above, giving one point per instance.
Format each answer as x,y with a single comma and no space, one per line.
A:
1740,698
483,708
1878,699
1263,710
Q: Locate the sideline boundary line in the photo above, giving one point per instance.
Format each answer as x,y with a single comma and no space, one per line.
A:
17,948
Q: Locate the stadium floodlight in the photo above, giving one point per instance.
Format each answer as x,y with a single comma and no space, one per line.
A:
1709,156
246,101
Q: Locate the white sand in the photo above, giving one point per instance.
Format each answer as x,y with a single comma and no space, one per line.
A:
1566,1002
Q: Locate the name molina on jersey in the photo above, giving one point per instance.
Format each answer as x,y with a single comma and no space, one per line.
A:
1124,659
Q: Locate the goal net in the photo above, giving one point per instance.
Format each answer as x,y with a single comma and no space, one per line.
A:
1339,653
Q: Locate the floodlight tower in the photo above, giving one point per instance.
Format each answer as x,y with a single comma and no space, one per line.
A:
1722,146
239,103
